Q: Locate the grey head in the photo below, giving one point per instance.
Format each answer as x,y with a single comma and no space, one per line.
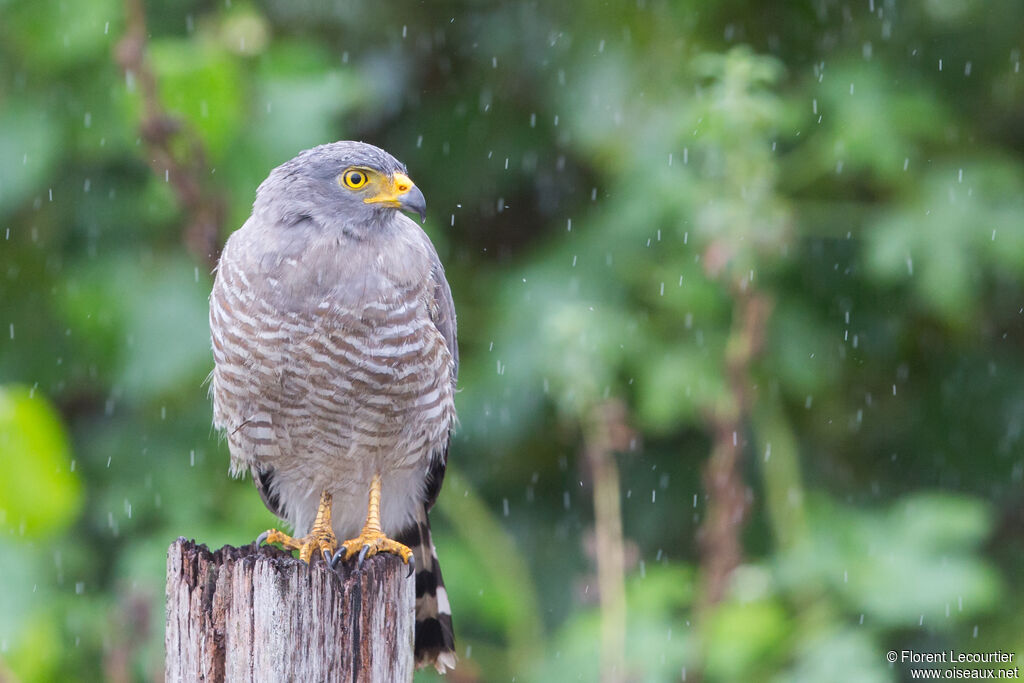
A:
350,186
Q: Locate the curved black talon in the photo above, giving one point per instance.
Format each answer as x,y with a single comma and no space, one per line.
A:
362,556
261,539
412,565
327,556
338,556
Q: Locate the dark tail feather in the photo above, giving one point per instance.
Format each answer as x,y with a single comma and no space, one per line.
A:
435,641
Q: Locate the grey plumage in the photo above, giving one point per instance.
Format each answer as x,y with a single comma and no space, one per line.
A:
334,339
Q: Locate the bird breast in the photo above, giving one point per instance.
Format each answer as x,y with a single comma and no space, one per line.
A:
338,371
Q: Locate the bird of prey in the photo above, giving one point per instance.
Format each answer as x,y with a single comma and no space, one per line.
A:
333,333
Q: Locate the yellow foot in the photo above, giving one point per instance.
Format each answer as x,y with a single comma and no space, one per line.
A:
369,543
371,540
320,539
325,543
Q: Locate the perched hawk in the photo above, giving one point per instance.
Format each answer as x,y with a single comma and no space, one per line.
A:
334,340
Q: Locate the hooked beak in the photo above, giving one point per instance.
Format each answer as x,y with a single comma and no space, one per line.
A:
413,200
400,192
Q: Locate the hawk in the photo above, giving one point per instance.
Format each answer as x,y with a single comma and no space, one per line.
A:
333,332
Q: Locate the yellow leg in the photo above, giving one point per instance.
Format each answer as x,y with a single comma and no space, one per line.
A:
371,539
320,537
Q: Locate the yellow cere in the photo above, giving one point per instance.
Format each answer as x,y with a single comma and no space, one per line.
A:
391,189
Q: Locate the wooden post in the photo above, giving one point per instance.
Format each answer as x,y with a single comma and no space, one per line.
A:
258,614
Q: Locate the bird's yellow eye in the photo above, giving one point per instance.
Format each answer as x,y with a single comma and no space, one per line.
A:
354,179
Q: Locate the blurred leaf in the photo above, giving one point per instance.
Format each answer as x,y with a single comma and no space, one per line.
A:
38,656
779,463
661,591
658,641
148,316
869,121
837,656
29,147
511,602
25,614
301,97
168,340
52,34
202,84
942,242
801,350
912,564
745,639
39,493
678,386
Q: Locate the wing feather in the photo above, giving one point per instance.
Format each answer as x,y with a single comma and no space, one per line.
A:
442,313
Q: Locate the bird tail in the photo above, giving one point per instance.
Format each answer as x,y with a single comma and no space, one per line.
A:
435,641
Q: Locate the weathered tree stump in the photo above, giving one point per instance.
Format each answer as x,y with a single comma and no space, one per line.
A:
258,614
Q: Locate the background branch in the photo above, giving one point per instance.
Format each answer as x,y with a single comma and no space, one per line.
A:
608,432
186,172
728,497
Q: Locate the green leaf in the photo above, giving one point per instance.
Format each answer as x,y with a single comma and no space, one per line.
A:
146,318
801,350
837,656
658,640
299,112
914,563
678,385
203,85
745,638
55,35
38,654
40,494
29,144
965,219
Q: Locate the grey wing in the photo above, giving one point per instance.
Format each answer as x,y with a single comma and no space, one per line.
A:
442,313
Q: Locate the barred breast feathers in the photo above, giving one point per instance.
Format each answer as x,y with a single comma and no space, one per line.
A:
276,286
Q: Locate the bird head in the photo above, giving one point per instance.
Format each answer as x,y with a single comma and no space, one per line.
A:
372,186
351,183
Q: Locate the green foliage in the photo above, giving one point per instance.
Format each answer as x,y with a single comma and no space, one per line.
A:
28,149
54,36
148,318
744,639
40,493
959,219
659,640
186,69
604,181
910,564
